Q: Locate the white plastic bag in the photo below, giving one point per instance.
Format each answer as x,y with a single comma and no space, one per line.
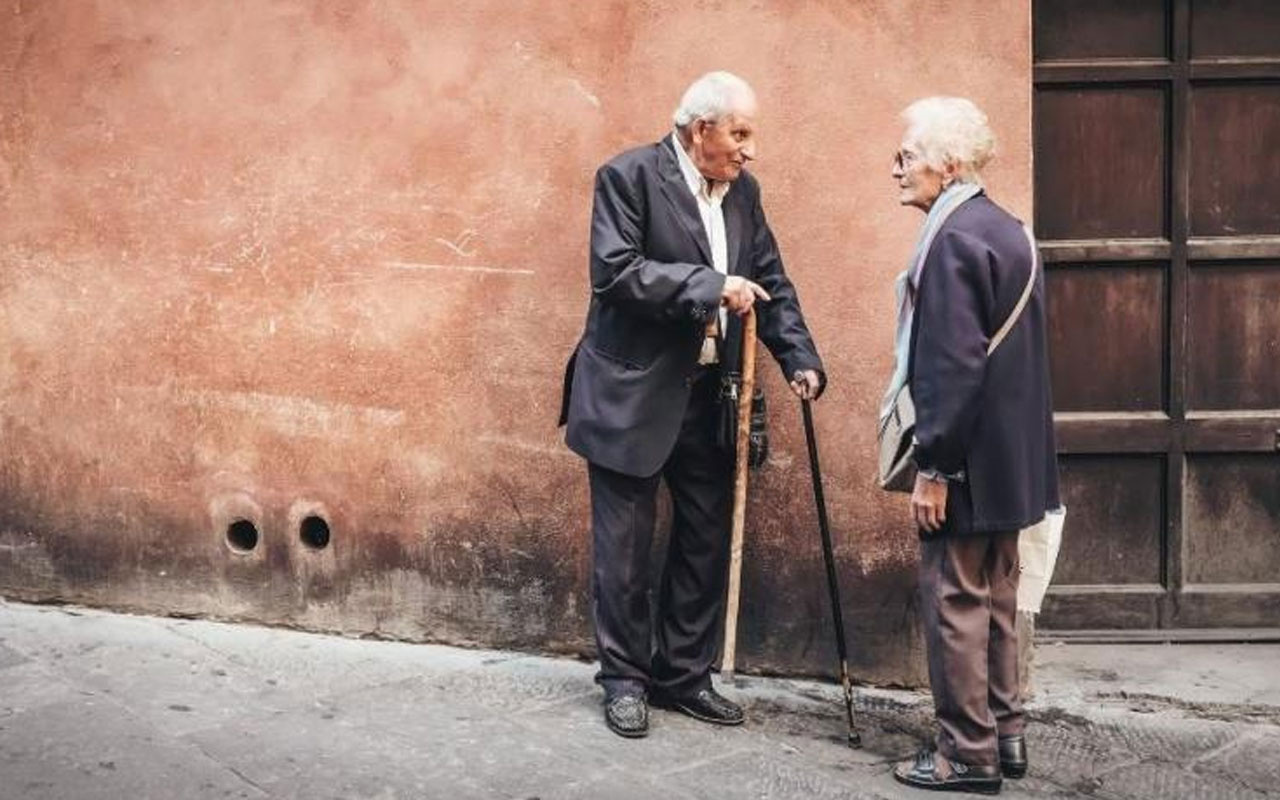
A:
1038,547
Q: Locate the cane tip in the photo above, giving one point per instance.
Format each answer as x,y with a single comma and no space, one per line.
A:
855,740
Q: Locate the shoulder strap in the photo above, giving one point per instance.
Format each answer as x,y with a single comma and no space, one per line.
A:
1022,301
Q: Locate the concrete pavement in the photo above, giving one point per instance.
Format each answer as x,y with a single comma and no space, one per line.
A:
101,705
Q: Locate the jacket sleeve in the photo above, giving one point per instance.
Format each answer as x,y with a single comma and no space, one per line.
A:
780,323
949,357
622,275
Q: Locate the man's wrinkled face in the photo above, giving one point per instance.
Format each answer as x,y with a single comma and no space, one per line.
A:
721,149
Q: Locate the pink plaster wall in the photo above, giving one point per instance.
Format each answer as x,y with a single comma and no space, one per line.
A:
266,259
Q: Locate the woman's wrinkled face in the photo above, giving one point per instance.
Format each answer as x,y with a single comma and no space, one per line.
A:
918,183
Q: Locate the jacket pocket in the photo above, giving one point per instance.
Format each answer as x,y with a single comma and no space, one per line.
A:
621,361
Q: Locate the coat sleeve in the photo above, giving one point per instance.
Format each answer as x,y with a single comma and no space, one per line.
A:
622,275
780,323
949,357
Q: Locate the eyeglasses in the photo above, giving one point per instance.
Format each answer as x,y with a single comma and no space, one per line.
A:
905,159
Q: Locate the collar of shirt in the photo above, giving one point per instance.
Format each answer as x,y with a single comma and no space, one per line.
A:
697,182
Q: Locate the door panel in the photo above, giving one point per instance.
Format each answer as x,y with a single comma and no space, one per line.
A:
1233,337
1235,28
1101,162
1232,551
1235,159
1078,29
1115,530
1108,321
1233,520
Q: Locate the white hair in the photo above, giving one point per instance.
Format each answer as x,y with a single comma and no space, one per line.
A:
713,97
951,130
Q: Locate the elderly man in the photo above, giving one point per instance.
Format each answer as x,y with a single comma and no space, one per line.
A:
679,250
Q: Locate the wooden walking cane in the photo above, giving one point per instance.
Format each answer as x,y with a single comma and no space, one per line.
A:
739,493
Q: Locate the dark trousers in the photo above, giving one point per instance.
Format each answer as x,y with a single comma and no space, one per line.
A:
969,598
674,649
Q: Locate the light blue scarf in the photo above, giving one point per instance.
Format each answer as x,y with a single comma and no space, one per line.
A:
909,281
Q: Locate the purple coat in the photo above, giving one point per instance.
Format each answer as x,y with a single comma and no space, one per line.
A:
990,417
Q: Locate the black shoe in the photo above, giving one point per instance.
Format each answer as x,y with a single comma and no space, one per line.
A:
627,715
923,774
1013,756
707,705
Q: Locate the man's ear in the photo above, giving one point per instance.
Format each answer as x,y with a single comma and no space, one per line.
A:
697,131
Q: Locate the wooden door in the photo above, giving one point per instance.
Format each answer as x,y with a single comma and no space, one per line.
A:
1157,180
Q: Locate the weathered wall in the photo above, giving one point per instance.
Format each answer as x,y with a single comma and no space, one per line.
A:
268,259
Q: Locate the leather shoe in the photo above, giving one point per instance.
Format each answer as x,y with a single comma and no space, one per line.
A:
707,705
923,774
1013,755
627,715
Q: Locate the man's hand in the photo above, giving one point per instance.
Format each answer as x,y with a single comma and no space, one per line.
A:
929,503
739,294
806,384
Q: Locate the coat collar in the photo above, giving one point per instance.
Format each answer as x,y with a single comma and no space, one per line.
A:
733,232
678,195
676,188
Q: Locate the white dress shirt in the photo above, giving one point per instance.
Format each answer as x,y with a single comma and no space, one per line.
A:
710,199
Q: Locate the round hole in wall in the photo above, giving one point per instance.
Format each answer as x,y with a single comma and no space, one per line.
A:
314,532
242,536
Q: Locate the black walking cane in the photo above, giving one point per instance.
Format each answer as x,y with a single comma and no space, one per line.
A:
855,739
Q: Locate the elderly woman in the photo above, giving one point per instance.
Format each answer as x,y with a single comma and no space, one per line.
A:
971,350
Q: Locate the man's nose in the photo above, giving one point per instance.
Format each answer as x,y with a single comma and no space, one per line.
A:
749,151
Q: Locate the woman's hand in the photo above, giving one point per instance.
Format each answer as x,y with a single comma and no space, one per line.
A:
929,503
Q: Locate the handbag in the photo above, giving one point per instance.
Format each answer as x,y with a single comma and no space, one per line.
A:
727,426
896,436
897,444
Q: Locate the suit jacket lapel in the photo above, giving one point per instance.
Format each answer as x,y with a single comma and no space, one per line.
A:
733,230
678,195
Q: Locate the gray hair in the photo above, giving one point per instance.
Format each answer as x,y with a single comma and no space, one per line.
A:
951,130
713,97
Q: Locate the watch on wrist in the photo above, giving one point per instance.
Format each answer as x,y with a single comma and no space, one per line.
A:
932,475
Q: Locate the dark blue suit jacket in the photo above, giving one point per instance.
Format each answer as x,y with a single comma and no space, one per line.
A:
990,417
652,289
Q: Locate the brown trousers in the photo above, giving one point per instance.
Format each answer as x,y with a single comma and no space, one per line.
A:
969,599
